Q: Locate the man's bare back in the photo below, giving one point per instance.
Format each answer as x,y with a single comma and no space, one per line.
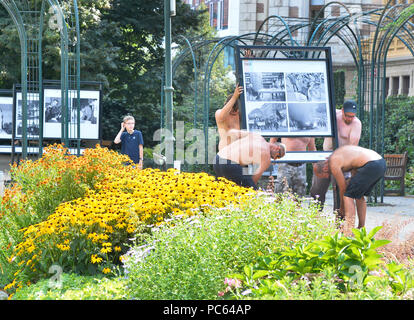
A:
246,150
252,148
352,157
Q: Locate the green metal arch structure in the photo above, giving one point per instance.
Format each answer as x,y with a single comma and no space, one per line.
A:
369,53
28,17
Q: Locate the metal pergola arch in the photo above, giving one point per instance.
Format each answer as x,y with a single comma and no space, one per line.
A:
370,65
28,17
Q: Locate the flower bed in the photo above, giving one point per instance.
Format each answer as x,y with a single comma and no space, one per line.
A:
89,233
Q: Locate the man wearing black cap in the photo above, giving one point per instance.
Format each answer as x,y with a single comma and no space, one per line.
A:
349,133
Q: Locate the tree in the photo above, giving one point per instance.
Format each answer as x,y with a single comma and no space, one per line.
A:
221,82
98,54
121,45
137,82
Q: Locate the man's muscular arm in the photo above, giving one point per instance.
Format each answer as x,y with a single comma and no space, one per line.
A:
355,133
337,173
263,165
222,113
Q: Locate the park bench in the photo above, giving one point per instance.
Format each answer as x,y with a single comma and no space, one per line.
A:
396,168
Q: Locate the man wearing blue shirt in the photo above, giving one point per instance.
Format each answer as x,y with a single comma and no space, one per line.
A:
132,141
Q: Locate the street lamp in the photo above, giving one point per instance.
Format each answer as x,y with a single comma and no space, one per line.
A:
169,10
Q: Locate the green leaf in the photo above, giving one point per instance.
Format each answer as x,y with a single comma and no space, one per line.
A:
379,243
372,262
248,271
373,232
238,276
260,274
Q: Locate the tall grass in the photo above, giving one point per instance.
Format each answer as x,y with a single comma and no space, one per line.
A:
189,258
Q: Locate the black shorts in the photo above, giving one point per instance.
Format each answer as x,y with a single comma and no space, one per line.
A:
366,177
232,171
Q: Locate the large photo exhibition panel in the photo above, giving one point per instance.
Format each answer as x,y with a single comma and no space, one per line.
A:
286,97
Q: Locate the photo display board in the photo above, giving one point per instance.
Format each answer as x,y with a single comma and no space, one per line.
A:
287,93
286,97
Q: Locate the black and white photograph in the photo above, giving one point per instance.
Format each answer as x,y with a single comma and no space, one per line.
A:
305,86
53,109
6,117
265,86
52,113
33,110
305,118
89,110
89,102
281,100
268,118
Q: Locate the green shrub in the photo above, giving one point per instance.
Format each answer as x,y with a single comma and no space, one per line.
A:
339,87
409,181
188,259
74,287
335,267
39,187
399,126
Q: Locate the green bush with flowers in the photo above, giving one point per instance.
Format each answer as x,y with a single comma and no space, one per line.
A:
85,227
117,232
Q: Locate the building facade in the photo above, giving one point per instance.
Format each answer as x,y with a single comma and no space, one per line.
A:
238,17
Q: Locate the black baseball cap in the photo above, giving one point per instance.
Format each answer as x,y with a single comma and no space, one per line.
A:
350,106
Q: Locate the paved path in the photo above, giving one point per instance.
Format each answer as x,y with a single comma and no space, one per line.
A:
394,209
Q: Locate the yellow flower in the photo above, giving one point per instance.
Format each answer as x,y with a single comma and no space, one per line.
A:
63,247
95,259
106,250
106,270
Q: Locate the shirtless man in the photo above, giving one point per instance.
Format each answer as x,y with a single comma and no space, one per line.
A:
228,117
349,133
247,148
367,168
293,172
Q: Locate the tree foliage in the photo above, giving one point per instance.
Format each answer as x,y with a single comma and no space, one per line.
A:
121,46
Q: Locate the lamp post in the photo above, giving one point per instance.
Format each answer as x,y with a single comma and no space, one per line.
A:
169,10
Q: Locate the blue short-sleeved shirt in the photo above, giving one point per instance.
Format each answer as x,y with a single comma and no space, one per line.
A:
130,144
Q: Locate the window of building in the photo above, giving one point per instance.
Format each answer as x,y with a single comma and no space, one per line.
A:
229,57
314,9
224,21
395,85
219,14
405,85
213,14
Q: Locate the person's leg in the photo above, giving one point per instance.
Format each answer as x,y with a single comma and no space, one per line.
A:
247,182
299,180
217,167
282,178
349,207
319,188
361,207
